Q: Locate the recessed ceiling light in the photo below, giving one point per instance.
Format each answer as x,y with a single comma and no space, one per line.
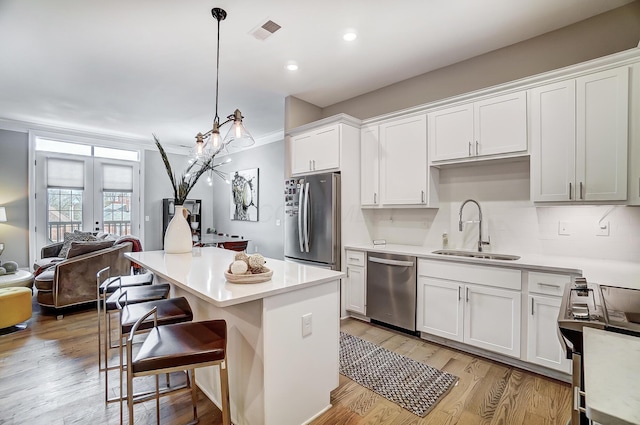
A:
292,66
349,36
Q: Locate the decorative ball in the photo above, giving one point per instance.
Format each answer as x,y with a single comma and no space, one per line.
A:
10,266
239,267
3,271
256,260
242,256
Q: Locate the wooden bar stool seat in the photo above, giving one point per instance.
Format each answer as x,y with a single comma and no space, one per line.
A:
169,311
112,283
181,346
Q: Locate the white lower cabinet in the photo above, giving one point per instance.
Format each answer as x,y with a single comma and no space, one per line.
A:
492,319
440,309
461,302
356,283
543,343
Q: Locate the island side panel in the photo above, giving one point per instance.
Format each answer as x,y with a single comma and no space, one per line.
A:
300,372
244,357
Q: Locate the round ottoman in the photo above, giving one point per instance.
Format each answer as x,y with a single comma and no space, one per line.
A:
15,306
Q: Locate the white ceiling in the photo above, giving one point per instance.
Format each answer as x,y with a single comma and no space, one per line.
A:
136,67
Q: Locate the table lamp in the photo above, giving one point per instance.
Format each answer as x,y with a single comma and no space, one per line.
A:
3,218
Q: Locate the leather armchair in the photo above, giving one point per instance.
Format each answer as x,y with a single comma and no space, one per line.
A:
72,281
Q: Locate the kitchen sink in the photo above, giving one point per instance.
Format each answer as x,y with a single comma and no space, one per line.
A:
474,254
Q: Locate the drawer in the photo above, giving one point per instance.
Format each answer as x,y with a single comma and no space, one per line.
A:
483,275
548,283
355,258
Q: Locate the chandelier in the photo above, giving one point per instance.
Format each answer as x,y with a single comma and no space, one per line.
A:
210,143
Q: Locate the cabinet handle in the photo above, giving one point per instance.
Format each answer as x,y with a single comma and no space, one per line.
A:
375,198
459,293
581,191
347,272
354,258
570,198
422,196
467,295
469,148
532,306
314,165
310,167
477,147
549,284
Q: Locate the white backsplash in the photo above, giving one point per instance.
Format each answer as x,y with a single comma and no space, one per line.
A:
510,219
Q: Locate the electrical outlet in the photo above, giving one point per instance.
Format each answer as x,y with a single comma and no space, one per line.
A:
564,228
306,325
278,222
602,228
146,218
255,248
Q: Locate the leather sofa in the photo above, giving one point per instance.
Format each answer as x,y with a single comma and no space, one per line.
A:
64,282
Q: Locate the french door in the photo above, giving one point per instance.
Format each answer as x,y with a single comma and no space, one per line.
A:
86,193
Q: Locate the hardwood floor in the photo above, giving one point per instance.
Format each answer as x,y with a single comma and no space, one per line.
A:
49,375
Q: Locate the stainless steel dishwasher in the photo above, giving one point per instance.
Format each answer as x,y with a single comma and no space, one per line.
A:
391,289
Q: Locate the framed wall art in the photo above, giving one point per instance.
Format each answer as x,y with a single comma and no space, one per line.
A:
244,195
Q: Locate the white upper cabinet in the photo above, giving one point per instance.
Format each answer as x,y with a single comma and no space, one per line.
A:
451,132
553,141
317,150
403,161
602,135
579,138
489,127
369,166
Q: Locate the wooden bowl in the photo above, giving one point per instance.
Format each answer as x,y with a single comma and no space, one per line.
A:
248,278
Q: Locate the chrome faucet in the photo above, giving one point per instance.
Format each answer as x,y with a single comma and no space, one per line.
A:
480,241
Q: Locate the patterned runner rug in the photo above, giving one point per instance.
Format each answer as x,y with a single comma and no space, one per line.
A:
411,385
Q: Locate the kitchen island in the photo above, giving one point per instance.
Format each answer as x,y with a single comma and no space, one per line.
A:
276,375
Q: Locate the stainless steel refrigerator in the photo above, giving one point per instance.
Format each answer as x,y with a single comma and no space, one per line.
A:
312,220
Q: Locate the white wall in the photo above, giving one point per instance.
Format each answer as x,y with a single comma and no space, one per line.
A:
514,224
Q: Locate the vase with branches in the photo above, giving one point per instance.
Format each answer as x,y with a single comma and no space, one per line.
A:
177,238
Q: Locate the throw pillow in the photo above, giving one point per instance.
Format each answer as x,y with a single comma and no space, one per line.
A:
79,248
70,237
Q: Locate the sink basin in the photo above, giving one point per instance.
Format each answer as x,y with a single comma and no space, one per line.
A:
474,254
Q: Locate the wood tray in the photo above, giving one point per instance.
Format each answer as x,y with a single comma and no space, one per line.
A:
248,278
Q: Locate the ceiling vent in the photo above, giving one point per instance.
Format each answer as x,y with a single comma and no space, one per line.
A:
265,30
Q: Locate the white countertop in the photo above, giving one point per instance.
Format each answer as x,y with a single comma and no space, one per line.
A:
607,272
611,371
201,273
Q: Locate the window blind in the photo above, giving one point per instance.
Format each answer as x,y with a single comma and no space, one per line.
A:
117,178
65,173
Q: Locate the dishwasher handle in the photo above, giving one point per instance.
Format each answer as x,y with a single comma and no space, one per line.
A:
391,262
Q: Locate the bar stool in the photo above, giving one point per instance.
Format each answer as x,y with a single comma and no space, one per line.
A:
169,311
134,295
108,286
178,347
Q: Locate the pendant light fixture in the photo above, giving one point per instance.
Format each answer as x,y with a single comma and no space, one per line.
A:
210,143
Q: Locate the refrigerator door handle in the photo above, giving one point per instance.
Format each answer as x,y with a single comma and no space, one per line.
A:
300,208
306,218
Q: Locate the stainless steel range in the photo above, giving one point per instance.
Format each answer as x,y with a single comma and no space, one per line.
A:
599,306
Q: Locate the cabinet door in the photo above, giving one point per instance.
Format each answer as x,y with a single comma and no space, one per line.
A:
451,133
440,308
356,290
301,153
325,148
492,319
543,345
369,166
602,135
403,161
501,124
553,141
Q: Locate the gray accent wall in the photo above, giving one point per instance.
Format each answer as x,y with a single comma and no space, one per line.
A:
14,196
266,235
601,35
